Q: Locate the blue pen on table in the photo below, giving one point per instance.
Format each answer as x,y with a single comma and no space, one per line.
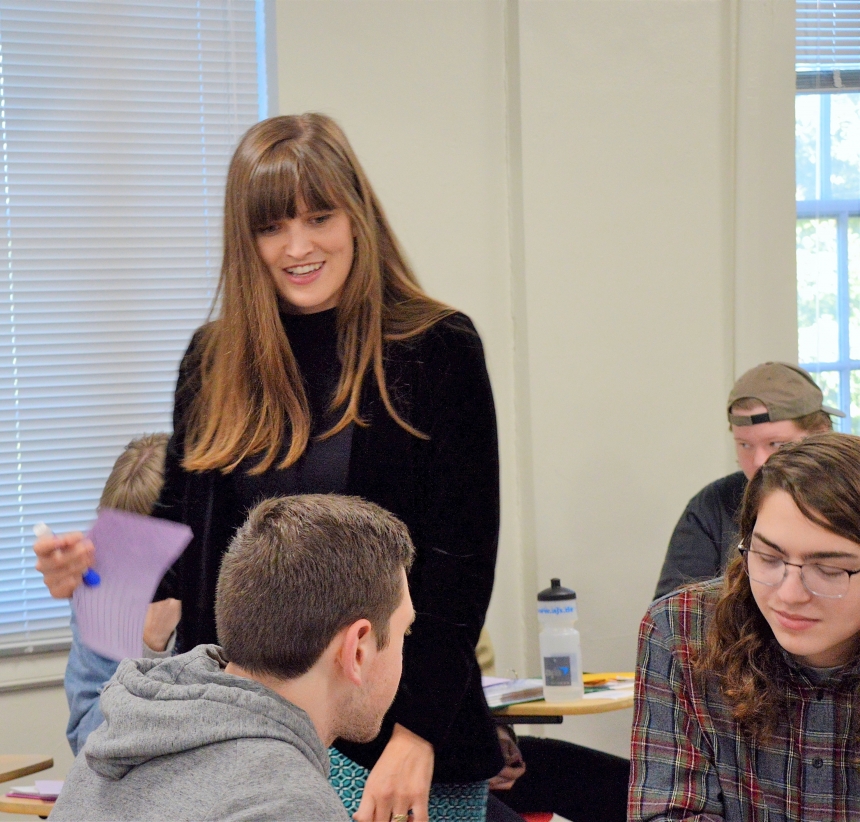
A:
90,577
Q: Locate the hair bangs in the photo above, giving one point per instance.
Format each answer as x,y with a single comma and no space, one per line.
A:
821,474
251,394
288,180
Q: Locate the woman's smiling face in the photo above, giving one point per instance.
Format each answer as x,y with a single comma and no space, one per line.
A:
818,631
309,257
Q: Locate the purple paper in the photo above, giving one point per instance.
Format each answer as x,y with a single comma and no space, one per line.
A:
46,789
132,554
49,787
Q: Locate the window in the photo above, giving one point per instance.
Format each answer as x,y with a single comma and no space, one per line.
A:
827,135
117,121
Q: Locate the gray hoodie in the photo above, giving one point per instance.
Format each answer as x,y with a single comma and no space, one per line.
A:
182,740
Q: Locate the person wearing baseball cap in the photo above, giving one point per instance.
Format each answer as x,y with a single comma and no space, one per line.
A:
770,405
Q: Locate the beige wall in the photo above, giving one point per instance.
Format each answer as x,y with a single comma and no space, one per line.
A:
34,721
420,89
646,148
606,187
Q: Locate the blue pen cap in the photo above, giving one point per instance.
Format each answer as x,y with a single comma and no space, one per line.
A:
91,578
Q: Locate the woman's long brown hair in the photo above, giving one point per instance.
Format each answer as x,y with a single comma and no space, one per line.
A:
822,475
251,399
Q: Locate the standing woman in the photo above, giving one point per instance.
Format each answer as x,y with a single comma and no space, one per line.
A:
328,369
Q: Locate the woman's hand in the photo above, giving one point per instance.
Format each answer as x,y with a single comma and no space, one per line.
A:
514,765
62,561
400,780
161,620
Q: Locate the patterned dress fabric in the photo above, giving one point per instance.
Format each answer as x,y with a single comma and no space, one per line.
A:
449,802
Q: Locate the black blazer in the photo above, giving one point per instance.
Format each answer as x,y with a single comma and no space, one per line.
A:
446,490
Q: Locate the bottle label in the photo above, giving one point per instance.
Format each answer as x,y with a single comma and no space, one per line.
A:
559,670
556,610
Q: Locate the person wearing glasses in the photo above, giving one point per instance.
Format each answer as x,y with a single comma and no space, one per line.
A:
770,405
748,687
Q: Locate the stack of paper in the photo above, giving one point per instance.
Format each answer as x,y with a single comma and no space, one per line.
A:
47,789
500,692
608,686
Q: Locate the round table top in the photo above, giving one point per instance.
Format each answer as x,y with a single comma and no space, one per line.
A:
592,704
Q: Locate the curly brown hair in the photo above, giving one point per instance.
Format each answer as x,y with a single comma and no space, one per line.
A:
822,475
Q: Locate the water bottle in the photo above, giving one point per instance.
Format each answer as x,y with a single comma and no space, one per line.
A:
561,655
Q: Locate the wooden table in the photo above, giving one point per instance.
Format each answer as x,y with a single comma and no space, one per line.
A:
14,766
552,713
34,807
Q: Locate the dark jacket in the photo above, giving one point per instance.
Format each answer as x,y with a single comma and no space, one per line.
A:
705,536
445,488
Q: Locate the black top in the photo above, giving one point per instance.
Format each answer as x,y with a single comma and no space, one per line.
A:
445,488
324,466
706,535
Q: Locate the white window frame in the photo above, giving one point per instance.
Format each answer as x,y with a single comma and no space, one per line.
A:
827,63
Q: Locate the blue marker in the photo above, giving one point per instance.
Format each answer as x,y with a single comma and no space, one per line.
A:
90,577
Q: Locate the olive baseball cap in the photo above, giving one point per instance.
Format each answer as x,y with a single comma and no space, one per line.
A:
787,391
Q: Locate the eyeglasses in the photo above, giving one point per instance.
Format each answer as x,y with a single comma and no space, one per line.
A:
820,580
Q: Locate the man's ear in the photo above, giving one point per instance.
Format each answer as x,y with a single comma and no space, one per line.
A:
357,648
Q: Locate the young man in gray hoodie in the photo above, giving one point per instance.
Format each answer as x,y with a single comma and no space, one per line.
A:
312,606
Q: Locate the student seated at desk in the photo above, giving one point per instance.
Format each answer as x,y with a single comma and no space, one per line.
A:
748,688
133,485
312,606
770,405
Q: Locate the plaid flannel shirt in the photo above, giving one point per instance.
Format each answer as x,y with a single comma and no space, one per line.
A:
690,760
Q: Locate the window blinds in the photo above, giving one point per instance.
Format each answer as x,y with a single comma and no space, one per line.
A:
828,45
117,121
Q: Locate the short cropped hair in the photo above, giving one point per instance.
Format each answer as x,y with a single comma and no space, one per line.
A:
301,569
137,476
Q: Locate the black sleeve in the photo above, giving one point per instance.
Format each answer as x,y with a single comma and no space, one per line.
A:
704,536
693,554
457,531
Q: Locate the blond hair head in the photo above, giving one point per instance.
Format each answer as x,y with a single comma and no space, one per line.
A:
137,475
